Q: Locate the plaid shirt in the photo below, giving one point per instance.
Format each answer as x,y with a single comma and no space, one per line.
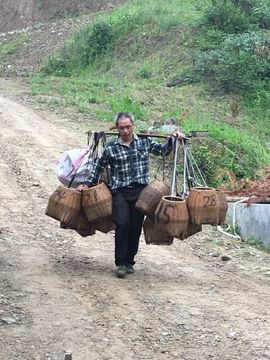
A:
129,164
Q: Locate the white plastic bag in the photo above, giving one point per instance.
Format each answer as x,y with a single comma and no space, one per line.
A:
74,165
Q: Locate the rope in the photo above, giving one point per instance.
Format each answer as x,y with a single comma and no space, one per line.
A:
200,178
173,178
185,170
235,236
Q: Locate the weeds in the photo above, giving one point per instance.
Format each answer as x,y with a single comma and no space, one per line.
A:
10,47
258,244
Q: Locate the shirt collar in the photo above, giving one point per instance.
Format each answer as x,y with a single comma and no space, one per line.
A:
119,140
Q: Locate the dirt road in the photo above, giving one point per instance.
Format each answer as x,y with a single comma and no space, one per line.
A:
59,291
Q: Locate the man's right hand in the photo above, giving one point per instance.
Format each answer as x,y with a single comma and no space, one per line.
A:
82,187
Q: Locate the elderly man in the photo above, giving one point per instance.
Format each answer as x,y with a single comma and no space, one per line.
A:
128,157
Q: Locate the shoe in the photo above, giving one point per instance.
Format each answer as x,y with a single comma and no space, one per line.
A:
121,271
130,269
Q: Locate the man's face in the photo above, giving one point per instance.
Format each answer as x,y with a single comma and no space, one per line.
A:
125,129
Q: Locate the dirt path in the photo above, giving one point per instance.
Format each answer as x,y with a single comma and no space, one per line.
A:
59,292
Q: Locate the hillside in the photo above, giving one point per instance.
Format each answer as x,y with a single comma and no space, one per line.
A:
158,61
18,14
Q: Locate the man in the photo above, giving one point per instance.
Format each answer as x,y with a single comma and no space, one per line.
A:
128,157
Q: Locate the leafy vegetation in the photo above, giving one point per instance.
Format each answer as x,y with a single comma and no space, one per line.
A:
206,64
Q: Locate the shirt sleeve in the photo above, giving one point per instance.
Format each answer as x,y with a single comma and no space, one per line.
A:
161,149
98,168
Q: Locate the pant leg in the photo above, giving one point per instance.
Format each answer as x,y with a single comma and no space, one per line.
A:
121,217
135,229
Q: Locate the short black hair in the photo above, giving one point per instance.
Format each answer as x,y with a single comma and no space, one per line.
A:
123,115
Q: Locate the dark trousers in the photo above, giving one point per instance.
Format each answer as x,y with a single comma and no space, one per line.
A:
128,222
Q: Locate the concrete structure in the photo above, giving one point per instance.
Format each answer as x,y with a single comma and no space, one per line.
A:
253,221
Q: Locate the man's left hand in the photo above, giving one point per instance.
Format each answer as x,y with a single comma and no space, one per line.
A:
179,135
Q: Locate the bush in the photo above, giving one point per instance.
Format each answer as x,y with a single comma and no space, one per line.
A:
227,16
241,61
262,14
98,40
211,156
226,150
81,50
58,64
144,73
236,16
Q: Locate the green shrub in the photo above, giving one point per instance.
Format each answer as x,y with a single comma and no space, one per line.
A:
81,50
262,14
226,149
237,16
241,60
58,64
210,156
99,37
144,73
227,16
209,39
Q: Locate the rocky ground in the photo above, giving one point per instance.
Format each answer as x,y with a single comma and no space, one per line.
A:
25,13
40,40
59,292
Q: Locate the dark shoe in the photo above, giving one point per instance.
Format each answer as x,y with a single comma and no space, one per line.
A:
121,271
130,269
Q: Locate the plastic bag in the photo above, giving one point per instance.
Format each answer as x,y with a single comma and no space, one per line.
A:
74,166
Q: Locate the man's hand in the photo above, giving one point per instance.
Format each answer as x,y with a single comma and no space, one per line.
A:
82,187
179,135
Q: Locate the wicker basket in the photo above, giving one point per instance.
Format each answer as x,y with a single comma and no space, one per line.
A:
191,230
150,197
153,236
203,205
64,204
104,225
172,216
80,224
97,202
223,207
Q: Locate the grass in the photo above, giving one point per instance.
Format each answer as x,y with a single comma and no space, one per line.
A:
258,244
8,48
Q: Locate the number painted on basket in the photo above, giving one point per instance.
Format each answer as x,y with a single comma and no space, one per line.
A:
61,194
91,197
162,213
209,201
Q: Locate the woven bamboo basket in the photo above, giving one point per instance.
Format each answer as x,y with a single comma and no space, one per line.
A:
172,216
150,197
64,204
203,206
104,225
81,224
153,236
97,202
223,207
192,229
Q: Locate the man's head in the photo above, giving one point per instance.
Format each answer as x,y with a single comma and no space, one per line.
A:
124,123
